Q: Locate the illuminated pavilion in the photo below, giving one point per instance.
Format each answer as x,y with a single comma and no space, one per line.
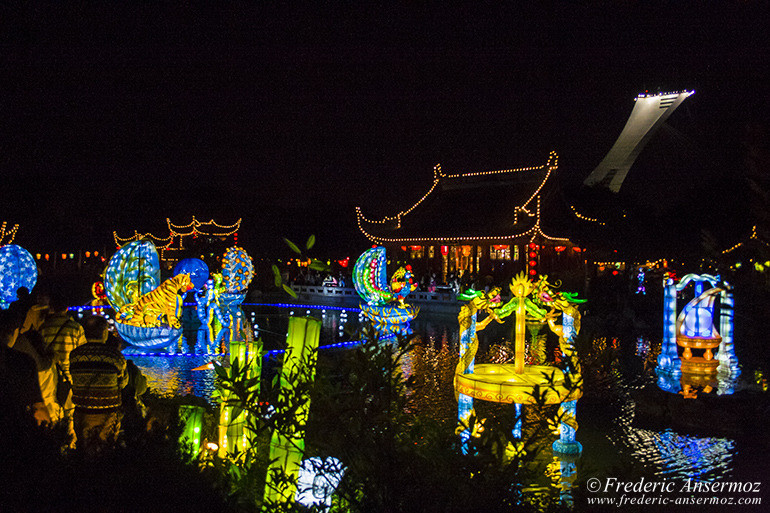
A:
518,219
486,222
183,240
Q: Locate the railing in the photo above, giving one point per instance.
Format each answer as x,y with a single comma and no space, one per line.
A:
445,295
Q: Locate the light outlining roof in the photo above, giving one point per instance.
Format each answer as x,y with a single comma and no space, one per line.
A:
9,234
586,218
649,113
195,227
753,236
533,201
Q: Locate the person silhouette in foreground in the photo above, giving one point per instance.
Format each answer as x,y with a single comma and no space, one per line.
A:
20,397
98,376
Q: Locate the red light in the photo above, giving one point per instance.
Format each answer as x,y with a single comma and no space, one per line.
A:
532,254
559,249
615,272
532,263
576,249
445,250
403,248
532,272
533,246
88,254
415,248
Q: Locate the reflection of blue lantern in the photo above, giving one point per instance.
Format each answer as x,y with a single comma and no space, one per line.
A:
196,268
17,269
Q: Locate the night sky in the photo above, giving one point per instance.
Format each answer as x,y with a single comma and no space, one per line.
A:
116,118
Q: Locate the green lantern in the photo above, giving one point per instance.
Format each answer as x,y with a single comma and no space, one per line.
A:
287,444
191,418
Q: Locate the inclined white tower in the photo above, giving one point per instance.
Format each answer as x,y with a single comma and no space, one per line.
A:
650,112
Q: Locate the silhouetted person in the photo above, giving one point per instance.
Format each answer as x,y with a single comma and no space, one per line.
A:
98,376
20,396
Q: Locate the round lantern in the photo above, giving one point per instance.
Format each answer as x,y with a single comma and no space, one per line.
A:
196,268
17,269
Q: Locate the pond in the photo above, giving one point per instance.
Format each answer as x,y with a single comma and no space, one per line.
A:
614,445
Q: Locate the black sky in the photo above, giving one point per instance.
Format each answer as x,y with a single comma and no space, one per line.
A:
117,117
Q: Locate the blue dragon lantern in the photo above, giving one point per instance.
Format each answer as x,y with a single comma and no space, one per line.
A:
384,301
146,310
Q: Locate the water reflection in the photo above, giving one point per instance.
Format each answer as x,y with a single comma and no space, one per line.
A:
613,369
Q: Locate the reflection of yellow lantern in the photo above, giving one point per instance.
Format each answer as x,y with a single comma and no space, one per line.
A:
37,256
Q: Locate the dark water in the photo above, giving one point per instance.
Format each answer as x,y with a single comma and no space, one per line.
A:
613,445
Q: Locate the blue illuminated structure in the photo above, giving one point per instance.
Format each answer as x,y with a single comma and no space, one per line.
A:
694,327
196,268
17,269
384,302
132,274
668,361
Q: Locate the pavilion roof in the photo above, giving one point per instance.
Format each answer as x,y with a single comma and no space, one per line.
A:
520,204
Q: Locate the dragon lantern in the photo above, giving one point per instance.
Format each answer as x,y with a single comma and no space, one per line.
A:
516,383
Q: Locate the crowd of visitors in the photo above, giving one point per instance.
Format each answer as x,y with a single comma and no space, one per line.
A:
56,371
428,282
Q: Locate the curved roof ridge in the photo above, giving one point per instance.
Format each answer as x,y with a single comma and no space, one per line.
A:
438,175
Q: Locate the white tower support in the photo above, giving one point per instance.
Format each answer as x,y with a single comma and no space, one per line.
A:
650,112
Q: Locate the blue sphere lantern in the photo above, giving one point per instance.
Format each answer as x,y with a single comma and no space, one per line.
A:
17,269
196,268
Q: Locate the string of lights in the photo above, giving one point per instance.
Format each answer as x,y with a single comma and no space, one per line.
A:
586,218
753,236
534,232
438,174
10,234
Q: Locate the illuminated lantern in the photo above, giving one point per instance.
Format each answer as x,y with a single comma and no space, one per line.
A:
47,257
72,256
445,250
17,269
403,248
415,248
345,262
196,268
317,481
287,446
96,253
37,256
576,249
559,249
237,270
466,250
64,256
532,262
88,254
191,418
